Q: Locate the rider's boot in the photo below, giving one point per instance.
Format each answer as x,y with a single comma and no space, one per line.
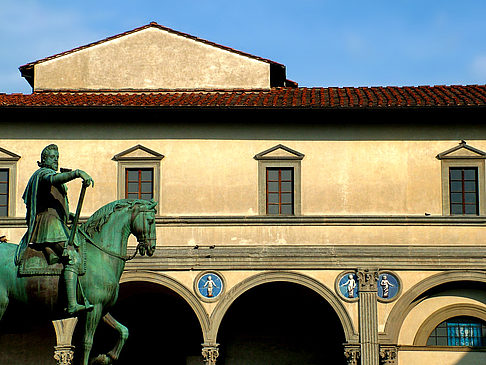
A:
71,280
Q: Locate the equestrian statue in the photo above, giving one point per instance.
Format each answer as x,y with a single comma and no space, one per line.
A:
80,265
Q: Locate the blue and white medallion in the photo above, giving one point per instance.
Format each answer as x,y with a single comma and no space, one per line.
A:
209,285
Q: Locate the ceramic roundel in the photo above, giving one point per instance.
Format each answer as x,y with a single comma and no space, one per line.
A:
210,285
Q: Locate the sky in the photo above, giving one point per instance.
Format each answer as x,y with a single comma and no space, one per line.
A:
322,43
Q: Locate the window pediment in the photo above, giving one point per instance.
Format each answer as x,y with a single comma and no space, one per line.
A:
136,153
279,152
6,155
462,151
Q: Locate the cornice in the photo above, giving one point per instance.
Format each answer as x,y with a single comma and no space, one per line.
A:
314,220
322,257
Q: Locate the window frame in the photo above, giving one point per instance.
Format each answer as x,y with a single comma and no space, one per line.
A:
279,156
138,157
463,191
139,181
8,161
279,191
462,156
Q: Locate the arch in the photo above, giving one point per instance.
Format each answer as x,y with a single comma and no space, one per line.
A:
164,280
292,277
443,314
407,302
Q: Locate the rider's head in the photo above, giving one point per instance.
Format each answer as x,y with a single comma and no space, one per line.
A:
49,157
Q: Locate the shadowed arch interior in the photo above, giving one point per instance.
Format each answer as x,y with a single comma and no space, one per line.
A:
280,323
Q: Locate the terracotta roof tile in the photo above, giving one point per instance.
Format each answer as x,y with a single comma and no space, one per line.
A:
331,97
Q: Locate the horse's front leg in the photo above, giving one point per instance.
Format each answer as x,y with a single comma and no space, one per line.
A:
92,320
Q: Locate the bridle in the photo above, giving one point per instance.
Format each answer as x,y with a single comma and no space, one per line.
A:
142,239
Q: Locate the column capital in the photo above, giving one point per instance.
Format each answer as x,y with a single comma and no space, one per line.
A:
210,353
368,278
352,353
64,354
388,354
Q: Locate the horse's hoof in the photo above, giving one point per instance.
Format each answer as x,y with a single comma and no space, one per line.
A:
102,359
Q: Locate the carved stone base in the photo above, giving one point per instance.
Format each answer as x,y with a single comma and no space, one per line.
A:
64,354
210,353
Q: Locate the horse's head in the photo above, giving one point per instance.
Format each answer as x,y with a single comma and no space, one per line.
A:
143,227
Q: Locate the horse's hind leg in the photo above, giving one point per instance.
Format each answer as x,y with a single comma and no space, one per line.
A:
114,354
3,301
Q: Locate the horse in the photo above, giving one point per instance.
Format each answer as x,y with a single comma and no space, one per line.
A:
105,236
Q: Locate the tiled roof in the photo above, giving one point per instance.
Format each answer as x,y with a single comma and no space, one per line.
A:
29,65
320,98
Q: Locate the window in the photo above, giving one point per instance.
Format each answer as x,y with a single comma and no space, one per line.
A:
279,181
139,183
463,180
8,183
4,192
463,185
280,190
138,173
459,331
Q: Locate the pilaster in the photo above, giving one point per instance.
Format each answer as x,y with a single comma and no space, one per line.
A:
368,317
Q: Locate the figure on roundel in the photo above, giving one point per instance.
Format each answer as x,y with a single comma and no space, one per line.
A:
385,285
47,216
350,285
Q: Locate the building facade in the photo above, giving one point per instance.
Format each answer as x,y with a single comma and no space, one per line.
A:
295,225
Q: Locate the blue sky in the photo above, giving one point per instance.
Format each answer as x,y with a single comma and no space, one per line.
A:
322,43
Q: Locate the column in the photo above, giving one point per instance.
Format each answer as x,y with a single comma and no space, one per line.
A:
210,353
64,351
368,318
388,355
352,354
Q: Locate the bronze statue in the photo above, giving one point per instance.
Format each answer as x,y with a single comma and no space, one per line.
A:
47,216
102,242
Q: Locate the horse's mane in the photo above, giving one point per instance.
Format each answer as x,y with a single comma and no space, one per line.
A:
102,215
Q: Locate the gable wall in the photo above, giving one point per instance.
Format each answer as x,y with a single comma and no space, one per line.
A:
151,59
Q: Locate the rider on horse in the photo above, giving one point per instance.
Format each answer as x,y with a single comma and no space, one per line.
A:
47,216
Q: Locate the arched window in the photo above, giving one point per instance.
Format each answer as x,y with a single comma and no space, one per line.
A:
459,331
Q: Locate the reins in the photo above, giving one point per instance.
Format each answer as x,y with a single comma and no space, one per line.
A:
102,249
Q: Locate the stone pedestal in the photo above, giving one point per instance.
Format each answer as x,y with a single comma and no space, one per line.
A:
368,317
210,353
64,351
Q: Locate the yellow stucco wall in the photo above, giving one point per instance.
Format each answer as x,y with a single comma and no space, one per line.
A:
441,358
219,178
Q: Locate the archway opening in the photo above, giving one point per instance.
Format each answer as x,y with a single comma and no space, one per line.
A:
281,323
163,327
